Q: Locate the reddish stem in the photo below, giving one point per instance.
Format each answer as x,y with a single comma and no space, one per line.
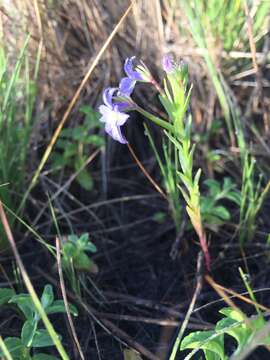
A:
204,247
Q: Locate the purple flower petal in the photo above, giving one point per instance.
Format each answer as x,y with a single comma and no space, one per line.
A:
105,112
126,86
108,95
113,119
122,106
115,133
128,67
167,63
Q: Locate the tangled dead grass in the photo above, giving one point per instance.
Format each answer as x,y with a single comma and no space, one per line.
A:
72,32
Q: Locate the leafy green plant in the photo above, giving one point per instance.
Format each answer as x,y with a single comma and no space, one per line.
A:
214,213
75,258
72,147
175,97
175,100
32,337
236,325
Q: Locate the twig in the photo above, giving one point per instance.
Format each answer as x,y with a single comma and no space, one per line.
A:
235,294
145,172
197,291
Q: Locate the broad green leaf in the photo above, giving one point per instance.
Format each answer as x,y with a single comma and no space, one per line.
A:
69,249
221,212
42,339
205,340
90,247
236,329
47,296
210,355
235,197
28,332
83,262
15,347
84,238
232,313
6,295
73,238
24,302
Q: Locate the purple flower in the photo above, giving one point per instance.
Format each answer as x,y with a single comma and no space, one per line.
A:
127,84
112,116
167,63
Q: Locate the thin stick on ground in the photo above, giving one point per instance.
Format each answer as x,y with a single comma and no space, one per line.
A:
64,295
197,291
145,172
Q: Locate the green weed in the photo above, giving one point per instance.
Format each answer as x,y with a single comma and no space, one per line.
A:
32,336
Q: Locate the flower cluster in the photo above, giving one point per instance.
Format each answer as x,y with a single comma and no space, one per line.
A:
113,109
175,97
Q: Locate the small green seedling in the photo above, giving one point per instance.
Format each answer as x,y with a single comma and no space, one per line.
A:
72,148
32,336
214,213
75,253
75,259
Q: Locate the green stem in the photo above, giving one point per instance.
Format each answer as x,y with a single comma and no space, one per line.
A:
162,123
